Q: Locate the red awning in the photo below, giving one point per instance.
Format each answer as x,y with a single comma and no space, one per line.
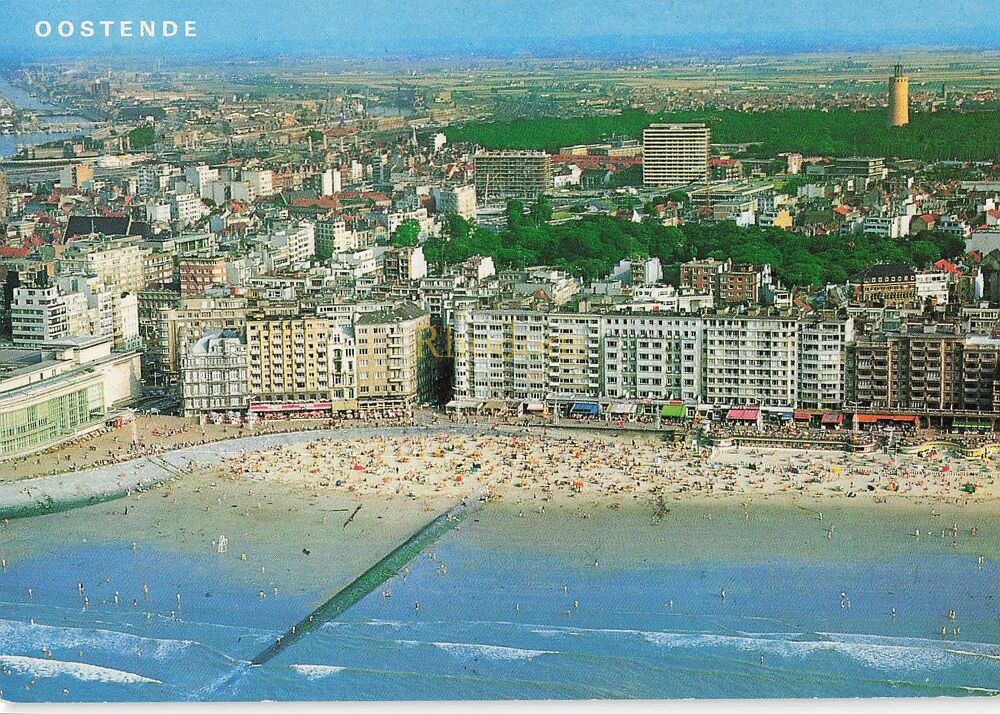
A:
743,414
833,418
801,416
873,418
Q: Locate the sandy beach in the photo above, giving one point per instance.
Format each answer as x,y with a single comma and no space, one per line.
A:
575,520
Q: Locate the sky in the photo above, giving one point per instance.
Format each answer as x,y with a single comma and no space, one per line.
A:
376,28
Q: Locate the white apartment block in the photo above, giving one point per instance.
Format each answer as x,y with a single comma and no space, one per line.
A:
38,314
822,361
292,246
654,357
750,360
154,178
675,154
260,183
333,236
187,208
933,286
117,264
199,178
460,200
500,354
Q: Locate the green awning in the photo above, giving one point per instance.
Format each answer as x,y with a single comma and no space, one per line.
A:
977,424
673,411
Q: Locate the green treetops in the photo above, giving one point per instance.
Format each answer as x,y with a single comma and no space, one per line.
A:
407,234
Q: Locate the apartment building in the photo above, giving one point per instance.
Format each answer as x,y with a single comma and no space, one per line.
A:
822,361
512,174
675,154
186,322
199,272
38,314
117,263
289,359
933,369
332,237
654,357
393,357
460,200
751,359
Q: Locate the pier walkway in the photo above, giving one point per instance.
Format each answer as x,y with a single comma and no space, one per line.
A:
372,578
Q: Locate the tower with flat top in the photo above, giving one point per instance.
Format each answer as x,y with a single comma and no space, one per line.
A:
899,98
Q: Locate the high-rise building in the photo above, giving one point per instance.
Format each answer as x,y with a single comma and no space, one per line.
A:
899,98
512,174
4,194
675,154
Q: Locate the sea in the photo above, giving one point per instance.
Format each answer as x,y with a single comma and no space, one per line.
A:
518,605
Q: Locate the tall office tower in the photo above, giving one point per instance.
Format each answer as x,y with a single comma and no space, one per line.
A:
675,154
512,174
899,98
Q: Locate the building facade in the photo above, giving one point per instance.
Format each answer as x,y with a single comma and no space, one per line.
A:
675,154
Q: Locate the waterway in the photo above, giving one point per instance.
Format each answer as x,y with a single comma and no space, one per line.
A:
21,99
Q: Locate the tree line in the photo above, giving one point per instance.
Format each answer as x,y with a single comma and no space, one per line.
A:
943,135
593,245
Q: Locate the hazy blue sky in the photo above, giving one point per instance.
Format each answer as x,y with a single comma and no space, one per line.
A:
490,27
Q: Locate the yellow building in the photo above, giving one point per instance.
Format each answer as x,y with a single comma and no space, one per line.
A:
289,359
393,349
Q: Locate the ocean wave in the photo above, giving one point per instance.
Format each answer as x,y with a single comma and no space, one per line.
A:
472,649
16,634
880,655
37,667
317,671
878,651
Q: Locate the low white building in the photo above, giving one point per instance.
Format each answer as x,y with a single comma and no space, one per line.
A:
933,285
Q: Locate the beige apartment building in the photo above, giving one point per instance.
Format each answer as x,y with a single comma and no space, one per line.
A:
118,264
393,348
289,359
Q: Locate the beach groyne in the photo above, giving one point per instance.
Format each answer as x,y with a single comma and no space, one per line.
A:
382,571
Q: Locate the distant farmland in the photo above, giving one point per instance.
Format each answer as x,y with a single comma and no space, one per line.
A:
974,136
